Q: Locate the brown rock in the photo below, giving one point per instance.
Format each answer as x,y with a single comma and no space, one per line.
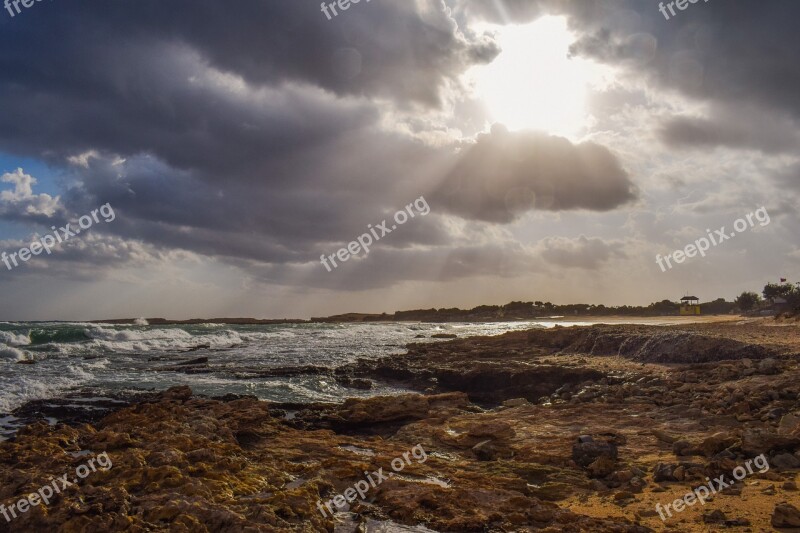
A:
786,515
717,443
602,466
789,423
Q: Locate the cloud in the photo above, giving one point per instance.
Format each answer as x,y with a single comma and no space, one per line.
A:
503,175
582,252
21,204
732,127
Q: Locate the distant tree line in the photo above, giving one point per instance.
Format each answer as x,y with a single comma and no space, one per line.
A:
772,293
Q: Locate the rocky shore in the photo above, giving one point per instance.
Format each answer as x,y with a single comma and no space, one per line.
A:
567,429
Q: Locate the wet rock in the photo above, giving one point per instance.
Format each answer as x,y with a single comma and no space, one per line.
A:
444,336
355,383
178,394
193,362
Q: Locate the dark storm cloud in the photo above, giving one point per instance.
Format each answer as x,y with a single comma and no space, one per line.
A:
150,76
255,133
504,175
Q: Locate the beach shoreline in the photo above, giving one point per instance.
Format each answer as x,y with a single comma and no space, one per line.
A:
499,417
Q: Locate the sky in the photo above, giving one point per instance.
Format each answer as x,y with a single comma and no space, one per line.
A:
558,147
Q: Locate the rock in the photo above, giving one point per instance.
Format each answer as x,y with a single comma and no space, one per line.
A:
602,466
552,491
516,402
495,430
663,436
444,336
768,366
789,423
664,472
180,394
485,451
786,515
585,453
714,517
790,486
356,383
400,407
716,443
191,362
623,495
756,442
684,447
679,473
737,522
785,461
622,476
637,484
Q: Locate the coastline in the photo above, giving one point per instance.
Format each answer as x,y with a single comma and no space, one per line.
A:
657,408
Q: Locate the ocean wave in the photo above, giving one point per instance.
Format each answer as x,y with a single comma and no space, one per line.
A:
59,335
12,354
14,339
20,389
132,340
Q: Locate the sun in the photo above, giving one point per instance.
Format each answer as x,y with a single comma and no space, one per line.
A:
533,83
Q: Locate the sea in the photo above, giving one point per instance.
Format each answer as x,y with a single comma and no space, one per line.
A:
48,360
82,362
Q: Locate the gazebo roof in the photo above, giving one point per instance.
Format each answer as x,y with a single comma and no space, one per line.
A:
688,298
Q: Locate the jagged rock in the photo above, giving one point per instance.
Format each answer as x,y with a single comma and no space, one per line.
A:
785,461
664,472
755,442
786,515
585,452
717,443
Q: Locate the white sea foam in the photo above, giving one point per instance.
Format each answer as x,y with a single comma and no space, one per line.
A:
24,388
132,340
14,339
12,354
